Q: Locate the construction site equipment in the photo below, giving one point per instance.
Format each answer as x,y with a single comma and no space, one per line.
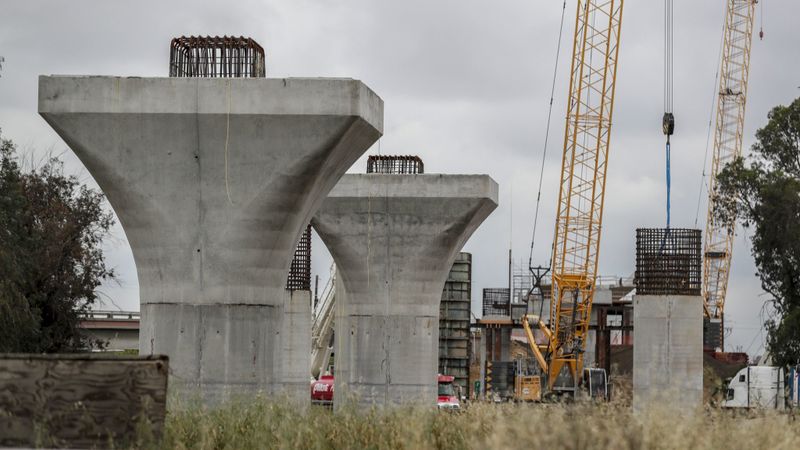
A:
454,322
322,326
582,189
668,119
322,391
448,393
731,101
528,388
595,381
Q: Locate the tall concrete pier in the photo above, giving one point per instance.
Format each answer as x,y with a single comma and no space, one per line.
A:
213,181
394,239
668,319
667,351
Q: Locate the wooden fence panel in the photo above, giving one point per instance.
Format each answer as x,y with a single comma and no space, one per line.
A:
80,400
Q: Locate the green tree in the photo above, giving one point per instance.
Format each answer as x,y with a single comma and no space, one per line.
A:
764,194
51,261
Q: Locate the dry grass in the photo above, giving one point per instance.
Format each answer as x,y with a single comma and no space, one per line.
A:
261,424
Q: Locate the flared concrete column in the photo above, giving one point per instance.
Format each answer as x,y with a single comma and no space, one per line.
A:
213,181
394,239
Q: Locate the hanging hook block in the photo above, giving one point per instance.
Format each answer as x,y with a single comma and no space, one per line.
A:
668,124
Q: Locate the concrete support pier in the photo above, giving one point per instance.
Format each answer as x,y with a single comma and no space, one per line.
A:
394,239
213,180
667,351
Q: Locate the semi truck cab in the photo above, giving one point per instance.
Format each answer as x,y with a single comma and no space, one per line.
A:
756,387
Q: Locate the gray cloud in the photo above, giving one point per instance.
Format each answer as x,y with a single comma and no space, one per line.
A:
466,85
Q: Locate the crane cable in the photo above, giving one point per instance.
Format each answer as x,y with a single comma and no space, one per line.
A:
546,138
668,120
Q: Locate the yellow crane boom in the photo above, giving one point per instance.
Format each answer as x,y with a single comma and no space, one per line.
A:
731,101
583,175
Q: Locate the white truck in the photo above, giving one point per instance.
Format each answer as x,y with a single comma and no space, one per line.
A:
759,387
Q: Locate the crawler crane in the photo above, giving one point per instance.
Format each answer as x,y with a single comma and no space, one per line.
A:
579,215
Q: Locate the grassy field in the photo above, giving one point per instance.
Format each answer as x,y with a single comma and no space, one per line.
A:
261,424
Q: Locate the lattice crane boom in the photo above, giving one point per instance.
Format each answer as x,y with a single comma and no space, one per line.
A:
583,175
731,101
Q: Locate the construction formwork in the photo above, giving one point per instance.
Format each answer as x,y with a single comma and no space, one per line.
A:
454,322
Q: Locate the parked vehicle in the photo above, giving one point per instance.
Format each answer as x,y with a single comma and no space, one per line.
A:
447,399
759,387
322,392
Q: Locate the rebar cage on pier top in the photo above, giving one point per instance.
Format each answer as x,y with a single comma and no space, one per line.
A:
668,261
216,57
398,165
300,271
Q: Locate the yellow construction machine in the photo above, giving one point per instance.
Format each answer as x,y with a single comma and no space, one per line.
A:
579,211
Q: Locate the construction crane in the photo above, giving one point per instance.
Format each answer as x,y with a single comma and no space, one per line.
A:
583,175
731,101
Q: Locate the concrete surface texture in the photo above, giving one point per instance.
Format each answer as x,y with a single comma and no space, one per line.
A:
213,180
394,239
667,351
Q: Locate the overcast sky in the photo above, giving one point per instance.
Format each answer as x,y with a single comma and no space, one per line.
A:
466,86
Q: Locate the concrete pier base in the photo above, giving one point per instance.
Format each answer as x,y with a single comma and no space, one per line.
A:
295,342
394,239
667,352
213,180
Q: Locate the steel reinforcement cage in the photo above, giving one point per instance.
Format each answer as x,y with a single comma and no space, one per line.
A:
668,261
300,271
496,302
398,165
216,57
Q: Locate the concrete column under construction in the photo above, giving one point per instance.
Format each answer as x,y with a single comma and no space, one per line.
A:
394,239
214,180
667,351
